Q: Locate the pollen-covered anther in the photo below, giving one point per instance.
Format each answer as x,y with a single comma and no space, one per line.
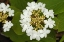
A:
3,17
37,19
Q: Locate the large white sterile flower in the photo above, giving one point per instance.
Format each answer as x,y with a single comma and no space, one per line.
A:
49,23
41,6
11,12
49,13
34,35
33,5
35,20
5,9
44,32
7,26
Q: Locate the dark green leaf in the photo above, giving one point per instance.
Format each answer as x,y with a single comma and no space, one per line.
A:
16,24
20,4
56,5
16,38
61,22
56,23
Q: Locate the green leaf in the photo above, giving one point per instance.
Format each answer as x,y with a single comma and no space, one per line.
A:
20,4
62,39
16,38
17,6
56,23
56,5
16,24
61,22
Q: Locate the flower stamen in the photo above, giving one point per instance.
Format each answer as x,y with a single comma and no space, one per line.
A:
3,17
37,20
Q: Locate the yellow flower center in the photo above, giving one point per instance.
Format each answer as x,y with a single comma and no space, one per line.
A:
3,17
37,19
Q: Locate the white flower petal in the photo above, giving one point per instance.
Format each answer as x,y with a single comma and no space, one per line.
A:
7,26
38,38
49,23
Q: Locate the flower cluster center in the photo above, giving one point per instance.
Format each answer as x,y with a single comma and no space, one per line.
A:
37,19
3,17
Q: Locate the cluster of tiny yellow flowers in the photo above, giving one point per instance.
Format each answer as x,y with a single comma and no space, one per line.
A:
3,17
37,20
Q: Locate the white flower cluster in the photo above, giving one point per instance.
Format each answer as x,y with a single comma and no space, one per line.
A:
26,19
7,26
5,9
